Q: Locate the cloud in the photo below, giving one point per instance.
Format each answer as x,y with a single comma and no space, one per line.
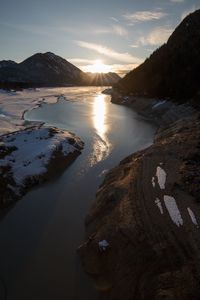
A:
113,29
188,11
144,16
177,1
120,69
119,30
123,57
156,37
81,61
134,46
114,19
100,30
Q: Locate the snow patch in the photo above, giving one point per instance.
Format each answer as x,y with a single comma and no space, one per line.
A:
192,217
159,204
103,245
173,210
153,181
104,172
125,98
161,175
158,104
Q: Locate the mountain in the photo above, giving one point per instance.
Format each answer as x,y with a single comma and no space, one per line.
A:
42,69
173,69
7,63
48,69
102,79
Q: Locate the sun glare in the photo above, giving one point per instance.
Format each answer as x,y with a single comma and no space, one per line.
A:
98,67
101,145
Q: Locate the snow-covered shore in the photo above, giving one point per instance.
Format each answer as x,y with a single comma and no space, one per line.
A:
30,152
13,105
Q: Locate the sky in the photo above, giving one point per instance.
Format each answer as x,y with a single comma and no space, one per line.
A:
120,33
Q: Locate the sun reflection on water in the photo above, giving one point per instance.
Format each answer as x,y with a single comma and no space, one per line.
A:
99,112
101,146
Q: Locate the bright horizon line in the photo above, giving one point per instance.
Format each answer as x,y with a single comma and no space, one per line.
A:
86,65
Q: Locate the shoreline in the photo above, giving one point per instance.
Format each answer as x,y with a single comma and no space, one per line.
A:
51,157
147,211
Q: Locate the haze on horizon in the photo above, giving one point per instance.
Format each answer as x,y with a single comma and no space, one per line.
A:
120,34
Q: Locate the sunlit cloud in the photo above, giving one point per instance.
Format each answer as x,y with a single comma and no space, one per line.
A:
97,66
120,69
188,11
114,19
81,61
144,16
177,1
119,30
113,29
158,36
134,46
86,64
123,57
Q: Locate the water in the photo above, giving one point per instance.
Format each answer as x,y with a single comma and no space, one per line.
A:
40,235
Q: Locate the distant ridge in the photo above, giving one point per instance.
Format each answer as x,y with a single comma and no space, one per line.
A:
42,69
173,69
48,69
102,78
7,63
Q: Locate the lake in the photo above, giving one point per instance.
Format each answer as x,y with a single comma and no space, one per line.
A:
40,235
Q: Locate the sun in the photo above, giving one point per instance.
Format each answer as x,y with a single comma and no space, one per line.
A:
98,67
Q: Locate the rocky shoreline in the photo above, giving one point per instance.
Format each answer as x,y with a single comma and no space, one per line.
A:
147,210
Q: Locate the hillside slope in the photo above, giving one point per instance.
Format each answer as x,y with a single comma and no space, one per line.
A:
148,215
173,69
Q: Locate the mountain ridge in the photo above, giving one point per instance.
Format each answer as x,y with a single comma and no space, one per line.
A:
173,69
48,69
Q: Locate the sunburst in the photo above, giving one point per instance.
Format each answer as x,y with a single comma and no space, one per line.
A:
98,67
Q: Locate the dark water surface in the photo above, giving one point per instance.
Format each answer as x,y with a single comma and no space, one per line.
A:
40,235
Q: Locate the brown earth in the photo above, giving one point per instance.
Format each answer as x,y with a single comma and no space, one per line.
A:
149,256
